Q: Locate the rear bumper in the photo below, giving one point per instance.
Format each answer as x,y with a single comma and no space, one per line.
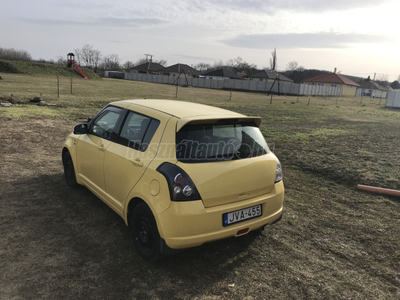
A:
190,224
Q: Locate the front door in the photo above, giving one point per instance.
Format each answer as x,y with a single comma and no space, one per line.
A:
91,148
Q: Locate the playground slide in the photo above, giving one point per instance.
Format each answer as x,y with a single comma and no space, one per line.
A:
79,70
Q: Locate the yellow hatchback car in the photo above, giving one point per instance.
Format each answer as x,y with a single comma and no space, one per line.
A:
180,174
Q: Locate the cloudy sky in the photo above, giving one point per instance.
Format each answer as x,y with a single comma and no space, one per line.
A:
359,37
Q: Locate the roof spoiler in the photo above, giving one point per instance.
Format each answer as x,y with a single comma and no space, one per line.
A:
217,120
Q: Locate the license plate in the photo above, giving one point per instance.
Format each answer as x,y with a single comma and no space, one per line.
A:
242,215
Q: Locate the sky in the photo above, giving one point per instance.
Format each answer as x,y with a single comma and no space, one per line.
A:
358,37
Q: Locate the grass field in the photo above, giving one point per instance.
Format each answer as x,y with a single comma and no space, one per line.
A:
334,242
33,68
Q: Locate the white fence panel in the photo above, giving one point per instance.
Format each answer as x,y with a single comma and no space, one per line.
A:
252,85
237,84
316,90
202,82
214,84
285,87
393,98
229,84
245,85
262,86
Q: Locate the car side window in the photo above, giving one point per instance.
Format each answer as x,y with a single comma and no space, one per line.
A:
104,125
137,131
151,130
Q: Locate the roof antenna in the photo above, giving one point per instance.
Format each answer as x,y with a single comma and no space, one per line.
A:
151,57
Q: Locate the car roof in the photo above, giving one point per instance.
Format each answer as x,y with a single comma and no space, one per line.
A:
180,109
186,112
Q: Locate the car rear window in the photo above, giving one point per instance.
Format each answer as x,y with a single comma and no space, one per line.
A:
219,142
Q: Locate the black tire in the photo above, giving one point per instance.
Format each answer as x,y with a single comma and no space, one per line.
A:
145,233
69,170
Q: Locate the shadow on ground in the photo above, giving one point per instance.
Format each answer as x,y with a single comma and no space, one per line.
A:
71,243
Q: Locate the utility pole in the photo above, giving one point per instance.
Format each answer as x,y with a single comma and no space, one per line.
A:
151,57
372,85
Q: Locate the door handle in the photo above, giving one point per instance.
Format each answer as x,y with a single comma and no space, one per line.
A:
137,162
101,147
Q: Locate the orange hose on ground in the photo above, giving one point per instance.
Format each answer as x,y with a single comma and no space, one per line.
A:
379,190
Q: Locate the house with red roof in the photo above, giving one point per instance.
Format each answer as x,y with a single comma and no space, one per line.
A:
349,87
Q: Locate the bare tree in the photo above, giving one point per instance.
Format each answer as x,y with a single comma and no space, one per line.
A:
202,67
140,61
110,62
300,68
382,77
235,62
292,65
128,65
218,64
88,56
240,65
14,54
162,62
96,59
273,62
230,63
61,60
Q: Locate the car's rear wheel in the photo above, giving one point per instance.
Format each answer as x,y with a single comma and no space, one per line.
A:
145,233
69,170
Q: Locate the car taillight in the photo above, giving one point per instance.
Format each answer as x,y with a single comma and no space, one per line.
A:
181,187
278,175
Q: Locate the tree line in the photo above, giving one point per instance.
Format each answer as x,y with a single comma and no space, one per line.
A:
14,54
93,59
89,57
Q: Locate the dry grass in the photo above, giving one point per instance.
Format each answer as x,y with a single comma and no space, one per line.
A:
334,242
41,69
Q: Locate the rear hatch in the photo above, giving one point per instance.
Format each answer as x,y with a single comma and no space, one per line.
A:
230,181
228,160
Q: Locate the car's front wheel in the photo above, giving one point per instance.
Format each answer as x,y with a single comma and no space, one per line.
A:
69,170
145,233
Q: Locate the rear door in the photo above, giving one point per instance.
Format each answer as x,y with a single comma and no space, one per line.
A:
127,159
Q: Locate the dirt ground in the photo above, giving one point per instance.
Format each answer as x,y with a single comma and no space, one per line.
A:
334,241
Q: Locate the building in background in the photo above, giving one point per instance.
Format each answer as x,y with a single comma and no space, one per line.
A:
147,68
269,76
349,87
177,69
369,88
221,74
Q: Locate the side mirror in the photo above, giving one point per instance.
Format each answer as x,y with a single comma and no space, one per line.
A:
89,119
81,128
